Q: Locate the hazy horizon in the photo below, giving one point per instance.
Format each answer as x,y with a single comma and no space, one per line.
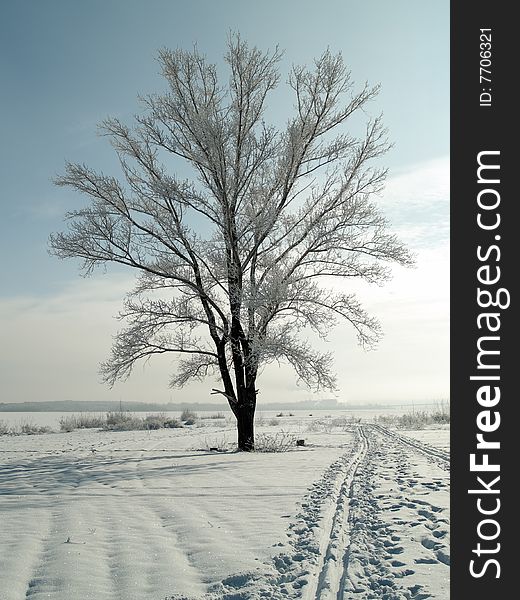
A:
219,403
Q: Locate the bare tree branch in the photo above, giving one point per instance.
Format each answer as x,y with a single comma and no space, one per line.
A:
234,262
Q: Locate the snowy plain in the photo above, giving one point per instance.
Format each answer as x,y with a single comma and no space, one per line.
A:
360,512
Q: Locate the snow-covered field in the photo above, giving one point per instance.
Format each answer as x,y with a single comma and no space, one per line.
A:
361,512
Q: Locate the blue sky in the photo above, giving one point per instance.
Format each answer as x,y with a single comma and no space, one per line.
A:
66,65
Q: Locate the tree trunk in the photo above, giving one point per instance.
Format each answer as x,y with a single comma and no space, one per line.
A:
245,422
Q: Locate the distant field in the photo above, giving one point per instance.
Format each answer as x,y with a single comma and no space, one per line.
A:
52,419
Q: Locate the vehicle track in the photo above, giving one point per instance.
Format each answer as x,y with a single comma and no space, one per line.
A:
384,529
416,445
398,522
331,579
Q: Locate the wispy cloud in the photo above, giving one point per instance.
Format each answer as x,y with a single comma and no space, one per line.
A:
416,202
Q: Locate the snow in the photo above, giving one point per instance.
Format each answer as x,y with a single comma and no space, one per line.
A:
438,438
148,515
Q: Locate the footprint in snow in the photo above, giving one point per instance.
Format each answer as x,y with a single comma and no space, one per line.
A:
426,561
439,533
430,544
443,557
397,563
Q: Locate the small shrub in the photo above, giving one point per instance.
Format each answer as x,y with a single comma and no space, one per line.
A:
441,417
125,421
416,419
67,424
118,417
160,421
81,421
221,444
154,421
442,413
30,428
122,421
281,441
274,422
25,427
188,417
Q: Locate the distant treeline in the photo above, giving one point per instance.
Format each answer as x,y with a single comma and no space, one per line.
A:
103,406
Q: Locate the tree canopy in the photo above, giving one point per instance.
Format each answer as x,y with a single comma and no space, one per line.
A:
238,262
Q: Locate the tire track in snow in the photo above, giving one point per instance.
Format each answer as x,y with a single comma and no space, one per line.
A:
331,579
429,451
364,544
398,524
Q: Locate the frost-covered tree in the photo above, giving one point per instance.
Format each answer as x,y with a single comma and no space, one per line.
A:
237,263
